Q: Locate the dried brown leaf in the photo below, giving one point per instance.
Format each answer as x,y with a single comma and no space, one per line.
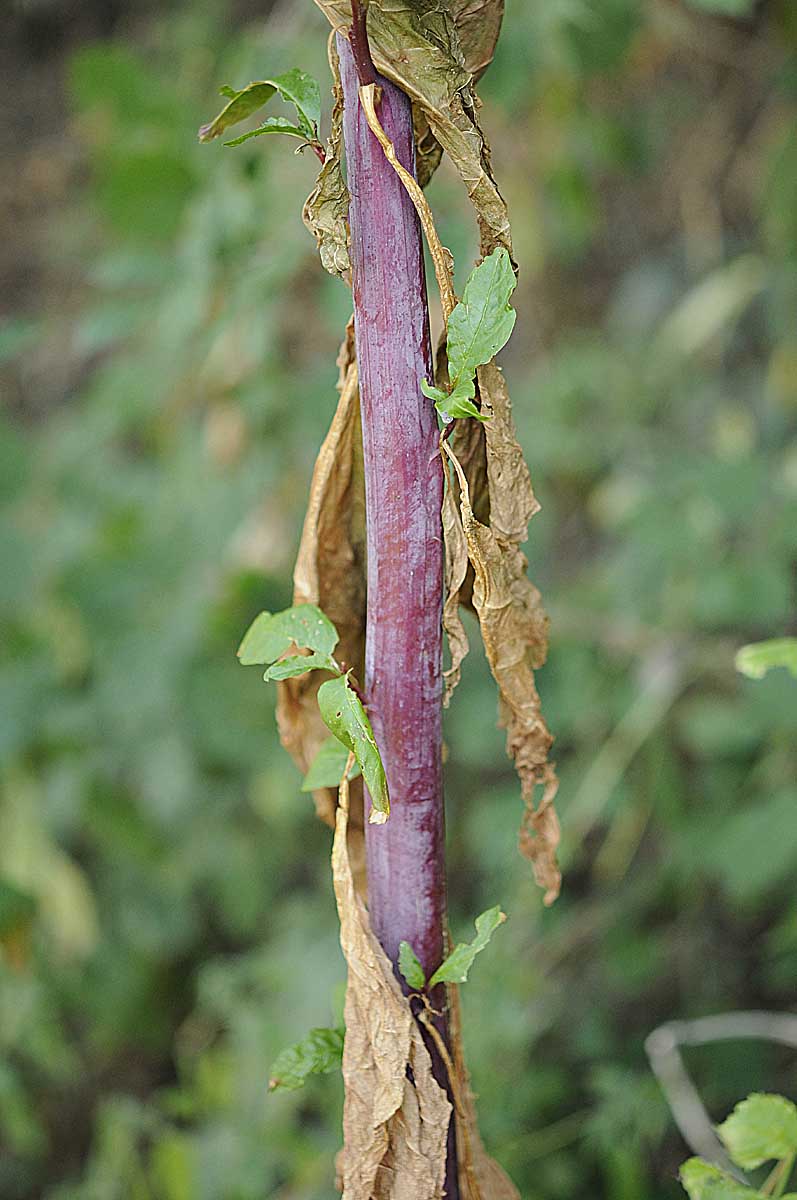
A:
512,621
416,45
395,1115
330,572
326,210
480,1176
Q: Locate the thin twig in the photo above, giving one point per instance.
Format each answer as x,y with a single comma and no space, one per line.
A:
361,51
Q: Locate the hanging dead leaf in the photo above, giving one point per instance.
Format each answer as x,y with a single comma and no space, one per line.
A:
330,572
418,48
513,628
480,1176
395,1115
326,210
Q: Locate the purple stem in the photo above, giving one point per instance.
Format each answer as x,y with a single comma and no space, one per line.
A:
403,492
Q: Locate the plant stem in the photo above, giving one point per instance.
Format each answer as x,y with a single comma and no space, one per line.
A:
403,489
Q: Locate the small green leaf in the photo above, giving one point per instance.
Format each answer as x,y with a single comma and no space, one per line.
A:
344,715
454,969
295,87
759,657
301,90
241,105
298,664
760,1128
410,968
317,1054
703,1181
483,320
271,125
326,769
270,634
477,329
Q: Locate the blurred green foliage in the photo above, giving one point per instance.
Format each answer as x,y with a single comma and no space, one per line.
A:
166,916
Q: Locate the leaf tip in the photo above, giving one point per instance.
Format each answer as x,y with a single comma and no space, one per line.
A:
378,817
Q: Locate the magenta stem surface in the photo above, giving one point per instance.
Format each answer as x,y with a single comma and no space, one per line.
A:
403,489
403,493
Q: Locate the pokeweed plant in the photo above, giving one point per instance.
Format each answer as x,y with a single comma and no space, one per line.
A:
406,524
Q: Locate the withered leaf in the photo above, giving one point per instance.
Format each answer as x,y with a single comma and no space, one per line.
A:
416,45
330,572
480,1176
326,210
512,620
395,1114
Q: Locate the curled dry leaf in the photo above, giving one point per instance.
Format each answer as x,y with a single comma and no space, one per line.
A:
395,1114
326,210
512,620
417,46
330,572
480,1176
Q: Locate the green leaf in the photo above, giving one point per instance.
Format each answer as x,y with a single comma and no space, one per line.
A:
703,1181
344,715
477,329
317,1054
410,968
326,769
270,634
295,87
298,664
483,320
454,969
757,658
271,125
760,1128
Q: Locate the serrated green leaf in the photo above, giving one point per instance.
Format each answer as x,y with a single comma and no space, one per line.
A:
757,658
270,634
760,1128
410,967
271,125
703,1181
317,1054
298,664
454,969
344,715
295,87
326,769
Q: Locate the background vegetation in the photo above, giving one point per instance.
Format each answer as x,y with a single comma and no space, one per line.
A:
167,368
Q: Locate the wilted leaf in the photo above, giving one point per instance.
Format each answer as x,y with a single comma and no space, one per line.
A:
410,967
326,210
480,1177
454,969
270,634
326,769
318,1053
395,1115
343,714
295,87
760,1128
297,664
513,625
759,657
703,1181
417,47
